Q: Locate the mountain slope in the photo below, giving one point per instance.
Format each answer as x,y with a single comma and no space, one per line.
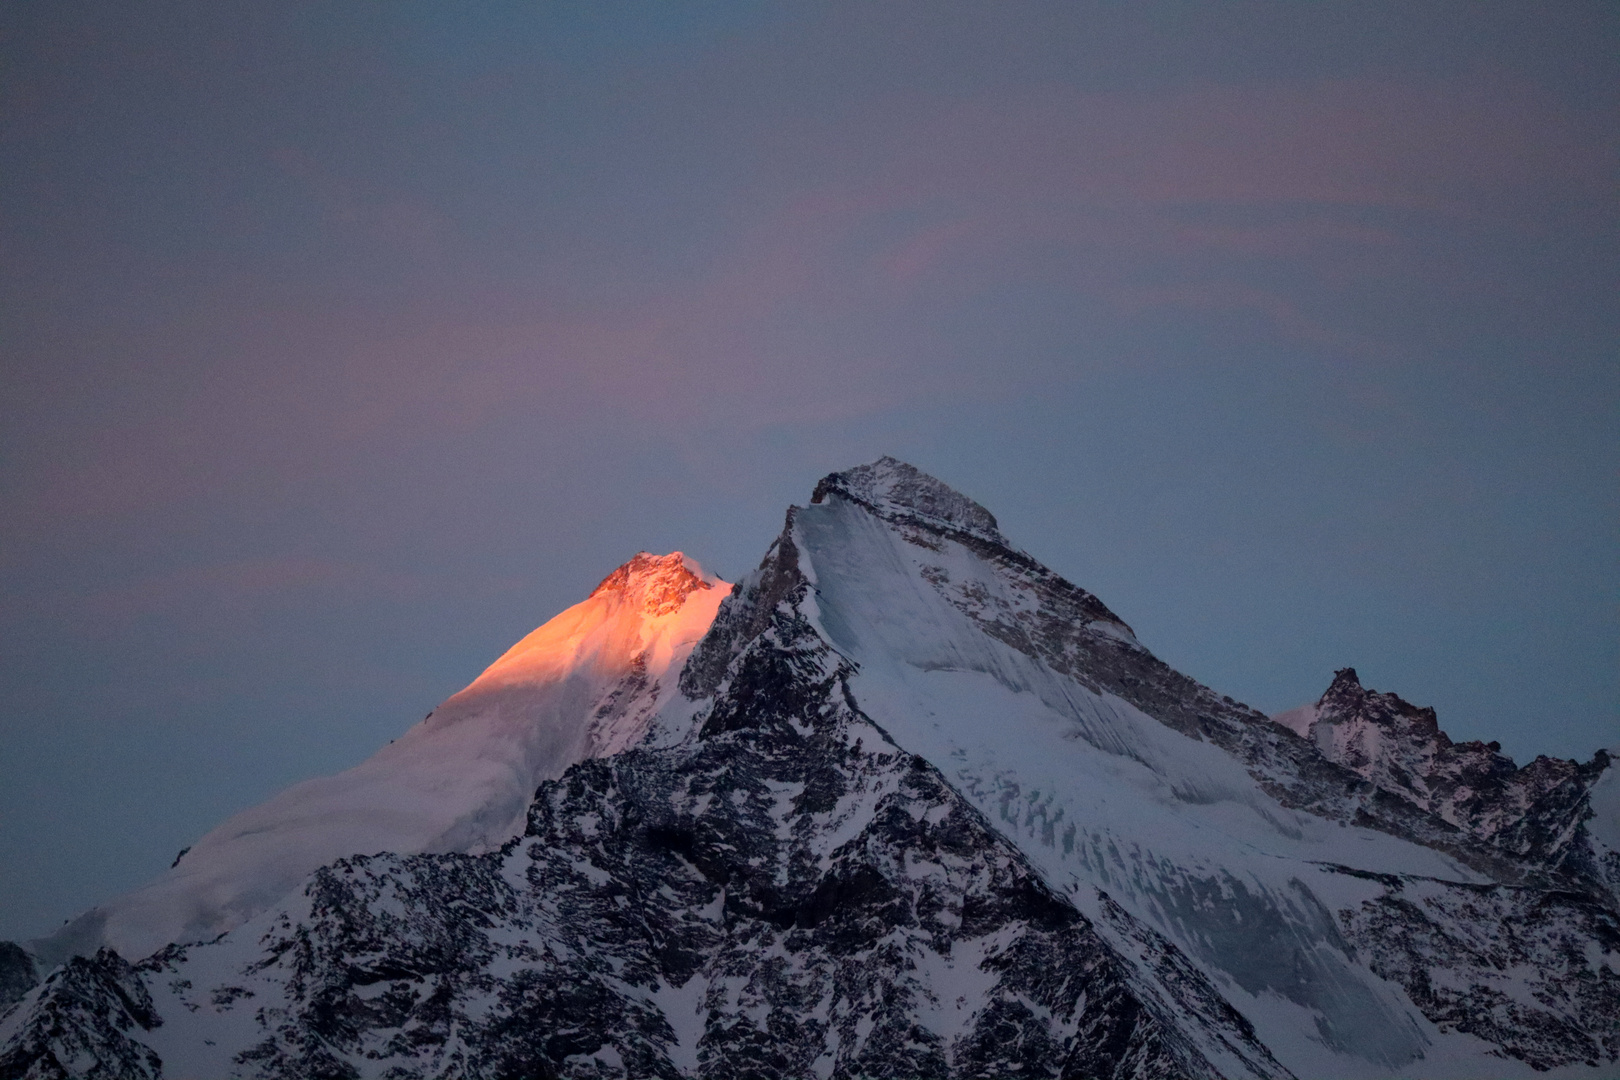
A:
784,893
777,890
582,685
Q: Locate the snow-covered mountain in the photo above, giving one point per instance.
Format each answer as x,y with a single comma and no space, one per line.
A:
582,685
917,807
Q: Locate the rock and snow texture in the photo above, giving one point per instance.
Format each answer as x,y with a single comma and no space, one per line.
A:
780,891
919,808
1551,813
582,685
1602,829
1116,774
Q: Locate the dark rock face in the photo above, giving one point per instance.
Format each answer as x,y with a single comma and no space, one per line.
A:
87,1020
1531,814
1466,955
17,974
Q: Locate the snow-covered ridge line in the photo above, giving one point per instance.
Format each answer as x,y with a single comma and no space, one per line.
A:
911,600
1037,718
1013,598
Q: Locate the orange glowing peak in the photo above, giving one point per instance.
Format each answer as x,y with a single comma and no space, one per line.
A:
662,581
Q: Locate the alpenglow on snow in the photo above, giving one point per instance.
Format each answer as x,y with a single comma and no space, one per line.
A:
901,803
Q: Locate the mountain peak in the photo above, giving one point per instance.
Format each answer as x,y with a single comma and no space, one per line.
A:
661,582
891,486
582,685
1346,700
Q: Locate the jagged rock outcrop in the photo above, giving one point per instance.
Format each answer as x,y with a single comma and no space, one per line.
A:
1507,965
85,1022
1533,814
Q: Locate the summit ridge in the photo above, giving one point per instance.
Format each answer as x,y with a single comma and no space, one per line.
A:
661,582
893,488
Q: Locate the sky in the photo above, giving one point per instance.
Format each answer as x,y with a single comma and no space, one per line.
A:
343,344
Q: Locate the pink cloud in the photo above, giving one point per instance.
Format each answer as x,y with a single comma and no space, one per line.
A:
1140,196
384,214
923,250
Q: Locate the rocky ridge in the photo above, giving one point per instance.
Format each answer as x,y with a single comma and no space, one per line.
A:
1533,814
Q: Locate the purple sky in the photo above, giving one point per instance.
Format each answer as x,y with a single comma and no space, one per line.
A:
341,345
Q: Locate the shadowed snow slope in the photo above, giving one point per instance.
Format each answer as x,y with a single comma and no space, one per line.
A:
1128,783
581,686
